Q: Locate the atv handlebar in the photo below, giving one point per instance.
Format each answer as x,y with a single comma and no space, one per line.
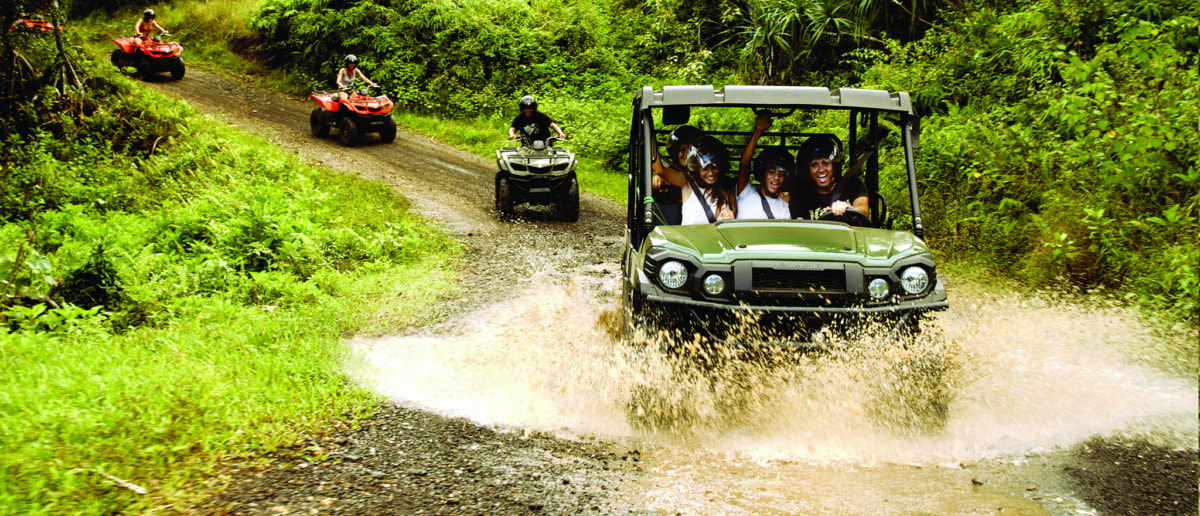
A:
528,142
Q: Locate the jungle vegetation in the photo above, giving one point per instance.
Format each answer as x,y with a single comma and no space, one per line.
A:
1060,137
172,291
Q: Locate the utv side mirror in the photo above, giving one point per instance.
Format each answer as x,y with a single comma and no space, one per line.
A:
676,115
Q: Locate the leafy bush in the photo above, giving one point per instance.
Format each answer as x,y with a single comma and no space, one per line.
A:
1071,154
173,294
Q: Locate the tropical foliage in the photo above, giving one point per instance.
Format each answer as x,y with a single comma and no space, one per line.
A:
173,293
1059,136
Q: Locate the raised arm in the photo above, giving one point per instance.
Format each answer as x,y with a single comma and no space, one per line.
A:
761,124
668,174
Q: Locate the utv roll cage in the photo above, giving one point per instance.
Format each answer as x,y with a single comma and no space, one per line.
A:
864,108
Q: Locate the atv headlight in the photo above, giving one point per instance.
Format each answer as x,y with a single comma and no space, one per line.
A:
672,274
714,284
878,288
914,280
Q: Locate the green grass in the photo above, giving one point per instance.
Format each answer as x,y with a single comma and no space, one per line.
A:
235,272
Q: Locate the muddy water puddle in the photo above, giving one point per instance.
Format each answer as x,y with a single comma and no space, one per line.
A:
1026,381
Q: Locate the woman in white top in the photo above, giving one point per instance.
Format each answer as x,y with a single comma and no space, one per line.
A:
705,199
346,76
764,200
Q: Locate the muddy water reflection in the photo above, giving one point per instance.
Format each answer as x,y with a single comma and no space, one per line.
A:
807,436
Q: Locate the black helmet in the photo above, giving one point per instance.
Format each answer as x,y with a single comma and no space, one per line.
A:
148,14
682,135
708,150
819,146
773,157
527,102
350,59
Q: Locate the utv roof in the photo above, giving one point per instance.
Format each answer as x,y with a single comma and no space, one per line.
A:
775,96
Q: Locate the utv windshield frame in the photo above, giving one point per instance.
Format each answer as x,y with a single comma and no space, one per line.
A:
675,104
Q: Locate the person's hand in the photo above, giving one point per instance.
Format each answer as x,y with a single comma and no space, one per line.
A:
839,207
763,122
726,214
657,183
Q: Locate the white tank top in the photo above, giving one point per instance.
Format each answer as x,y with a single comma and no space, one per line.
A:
693,212
345,79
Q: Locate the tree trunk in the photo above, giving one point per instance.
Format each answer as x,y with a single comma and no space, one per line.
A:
66,66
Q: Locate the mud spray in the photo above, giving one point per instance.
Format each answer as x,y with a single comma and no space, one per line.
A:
995,378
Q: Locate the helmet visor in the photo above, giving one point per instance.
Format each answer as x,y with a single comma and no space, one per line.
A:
699,159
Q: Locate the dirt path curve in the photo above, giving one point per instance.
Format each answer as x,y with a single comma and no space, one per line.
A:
446,185
409,461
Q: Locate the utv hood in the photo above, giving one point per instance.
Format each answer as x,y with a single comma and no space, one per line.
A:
786,239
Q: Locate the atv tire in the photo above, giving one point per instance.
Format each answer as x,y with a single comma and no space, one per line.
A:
504,202
316,122
118,58
569,206
347,130
387,134
176,69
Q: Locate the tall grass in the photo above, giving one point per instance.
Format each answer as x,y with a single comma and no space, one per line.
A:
173,294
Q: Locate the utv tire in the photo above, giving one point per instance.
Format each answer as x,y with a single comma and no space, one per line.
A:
632,318
177,69
570,205
316,121
387,134
504,202
348,131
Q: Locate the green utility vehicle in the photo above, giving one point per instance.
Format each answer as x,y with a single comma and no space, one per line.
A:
783,281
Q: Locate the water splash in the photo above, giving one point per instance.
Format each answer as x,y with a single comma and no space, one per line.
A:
1022,375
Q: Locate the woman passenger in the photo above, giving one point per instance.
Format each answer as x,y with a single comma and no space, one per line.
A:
705,198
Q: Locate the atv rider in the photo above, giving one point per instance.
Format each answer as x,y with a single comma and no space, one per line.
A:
346,76
533,123
145,26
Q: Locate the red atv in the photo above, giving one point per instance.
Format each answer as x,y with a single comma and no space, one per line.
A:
33,23
149,56
362,112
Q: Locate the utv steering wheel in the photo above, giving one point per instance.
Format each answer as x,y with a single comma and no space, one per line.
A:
851,216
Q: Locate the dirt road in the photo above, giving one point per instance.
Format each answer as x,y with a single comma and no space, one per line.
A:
414,459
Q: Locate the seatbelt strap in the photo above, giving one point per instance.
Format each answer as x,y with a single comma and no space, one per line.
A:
766,206
700,196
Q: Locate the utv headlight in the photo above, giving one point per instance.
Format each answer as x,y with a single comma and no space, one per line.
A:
672,274
878,288
914,280
714,284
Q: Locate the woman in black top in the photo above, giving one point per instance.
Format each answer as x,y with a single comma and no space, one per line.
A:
820,177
